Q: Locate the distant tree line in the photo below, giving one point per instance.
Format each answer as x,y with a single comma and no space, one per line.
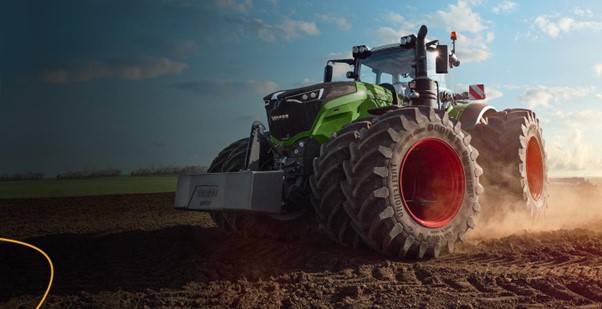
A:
86,173
21,176
109,172
168,171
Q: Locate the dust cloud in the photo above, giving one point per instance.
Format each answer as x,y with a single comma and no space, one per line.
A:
569,207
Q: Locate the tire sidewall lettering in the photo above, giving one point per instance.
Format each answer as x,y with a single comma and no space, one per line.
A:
400,150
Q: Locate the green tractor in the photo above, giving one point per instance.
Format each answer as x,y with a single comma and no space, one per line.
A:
391,159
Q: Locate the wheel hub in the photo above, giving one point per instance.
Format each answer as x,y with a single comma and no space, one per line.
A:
433,182
534,166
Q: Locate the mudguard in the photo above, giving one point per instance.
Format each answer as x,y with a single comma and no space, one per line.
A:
470,114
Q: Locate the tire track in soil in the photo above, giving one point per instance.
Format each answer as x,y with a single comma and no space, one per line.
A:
135,251
551,274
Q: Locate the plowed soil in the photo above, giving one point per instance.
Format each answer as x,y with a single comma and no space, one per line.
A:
135,251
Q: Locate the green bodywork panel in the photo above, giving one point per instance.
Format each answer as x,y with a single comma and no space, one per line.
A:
456,111
343,110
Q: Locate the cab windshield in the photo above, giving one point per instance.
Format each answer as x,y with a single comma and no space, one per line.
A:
393,65
390,65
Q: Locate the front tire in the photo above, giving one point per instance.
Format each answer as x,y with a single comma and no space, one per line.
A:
232,159
413,183
327,197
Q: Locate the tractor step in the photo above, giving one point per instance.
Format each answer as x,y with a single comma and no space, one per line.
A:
259,191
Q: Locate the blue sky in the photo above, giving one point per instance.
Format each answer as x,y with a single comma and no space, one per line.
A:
131,84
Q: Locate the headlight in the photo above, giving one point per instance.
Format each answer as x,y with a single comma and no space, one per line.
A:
306,96
408,41
361,51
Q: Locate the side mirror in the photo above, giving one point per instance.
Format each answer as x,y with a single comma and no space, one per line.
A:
442,62
328,73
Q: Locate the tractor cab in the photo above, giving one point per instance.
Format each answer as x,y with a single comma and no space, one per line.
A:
394,67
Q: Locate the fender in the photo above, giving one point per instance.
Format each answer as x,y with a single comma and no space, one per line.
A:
470,114
383,109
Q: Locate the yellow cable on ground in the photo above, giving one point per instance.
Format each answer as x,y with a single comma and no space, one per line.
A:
45,255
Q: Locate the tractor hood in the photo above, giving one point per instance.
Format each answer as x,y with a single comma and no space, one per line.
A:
328,90
293,111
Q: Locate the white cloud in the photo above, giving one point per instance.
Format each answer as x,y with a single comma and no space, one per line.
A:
339,21
583,118
583,12
510,86
472,30
402,26
599,96
88,71
504,7
598,69
388,35
150,67
292,29
241,7
573,151
395,18
144,67
265,31
544,96
262,87
471,2
288,29
227,88
492,93
555,26
458,17
487,38
185,48
474,48
534,97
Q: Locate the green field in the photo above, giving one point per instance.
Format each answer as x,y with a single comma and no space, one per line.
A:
84,187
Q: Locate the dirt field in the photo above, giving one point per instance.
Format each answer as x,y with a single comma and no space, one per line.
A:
135,251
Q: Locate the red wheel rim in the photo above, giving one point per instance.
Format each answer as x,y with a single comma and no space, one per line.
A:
433,182
534,164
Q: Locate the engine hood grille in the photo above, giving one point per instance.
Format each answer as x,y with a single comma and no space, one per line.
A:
293,111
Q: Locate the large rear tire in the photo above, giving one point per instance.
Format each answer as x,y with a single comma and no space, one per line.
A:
413,183
232,159
327,197
513,159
